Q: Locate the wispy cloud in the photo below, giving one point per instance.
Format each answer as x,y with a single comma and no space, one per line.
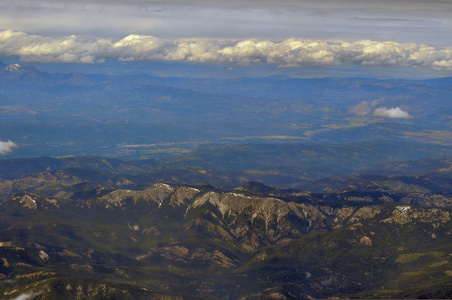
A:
289,53
426,21
6,147
392,113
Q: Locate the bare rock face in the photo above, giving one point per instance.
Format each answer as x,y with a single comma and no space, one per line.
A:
173,253
43,255
85,268
183,196
181,254
27,201
254,221
216,230
159,193
215,257
427,200
85,289
365,240
268,218
405,213
156,194
365,213
342,214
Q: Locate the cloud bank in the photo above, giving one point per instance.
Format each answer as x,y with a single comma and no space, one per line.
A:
392,113
288,53
6,147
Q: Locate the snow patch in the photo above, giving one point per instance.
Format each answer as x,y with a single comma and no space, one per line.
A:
403,208
157,185
14,68
241,195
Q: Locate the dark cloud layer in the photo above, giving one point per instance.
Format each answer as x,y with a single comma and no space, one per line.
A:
418,21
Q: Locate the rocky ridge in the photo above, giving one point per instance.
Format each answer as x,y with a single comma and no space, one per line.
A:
127,235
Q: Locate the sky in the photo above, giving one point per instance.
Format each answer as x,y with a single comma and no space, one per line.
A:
287,34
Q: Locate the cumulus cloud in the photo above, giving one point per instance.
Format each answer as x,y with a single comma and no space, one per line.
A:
393,113
288,53
6,147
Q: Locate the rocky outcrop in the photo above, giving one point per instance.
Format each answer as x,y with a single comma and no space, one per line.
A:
155,194
403,214
270,217
27,201
180,254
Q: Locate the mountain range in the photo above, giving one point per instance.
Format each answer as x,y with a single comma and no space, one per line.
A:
147,187
91,227
142,116
175,242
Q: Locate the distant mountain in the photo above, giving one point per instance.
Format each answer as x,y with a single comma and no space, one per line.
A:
319,160
141,116
15,69
296,165
388,183
15,168
33,78
438,166
446,81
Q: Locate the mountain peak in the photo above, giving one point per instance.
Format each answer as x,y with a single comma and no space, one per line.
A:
15,68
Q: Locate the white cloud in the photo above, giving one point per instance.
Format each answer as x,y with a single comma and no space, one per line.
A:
6,147
289,53
392,113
